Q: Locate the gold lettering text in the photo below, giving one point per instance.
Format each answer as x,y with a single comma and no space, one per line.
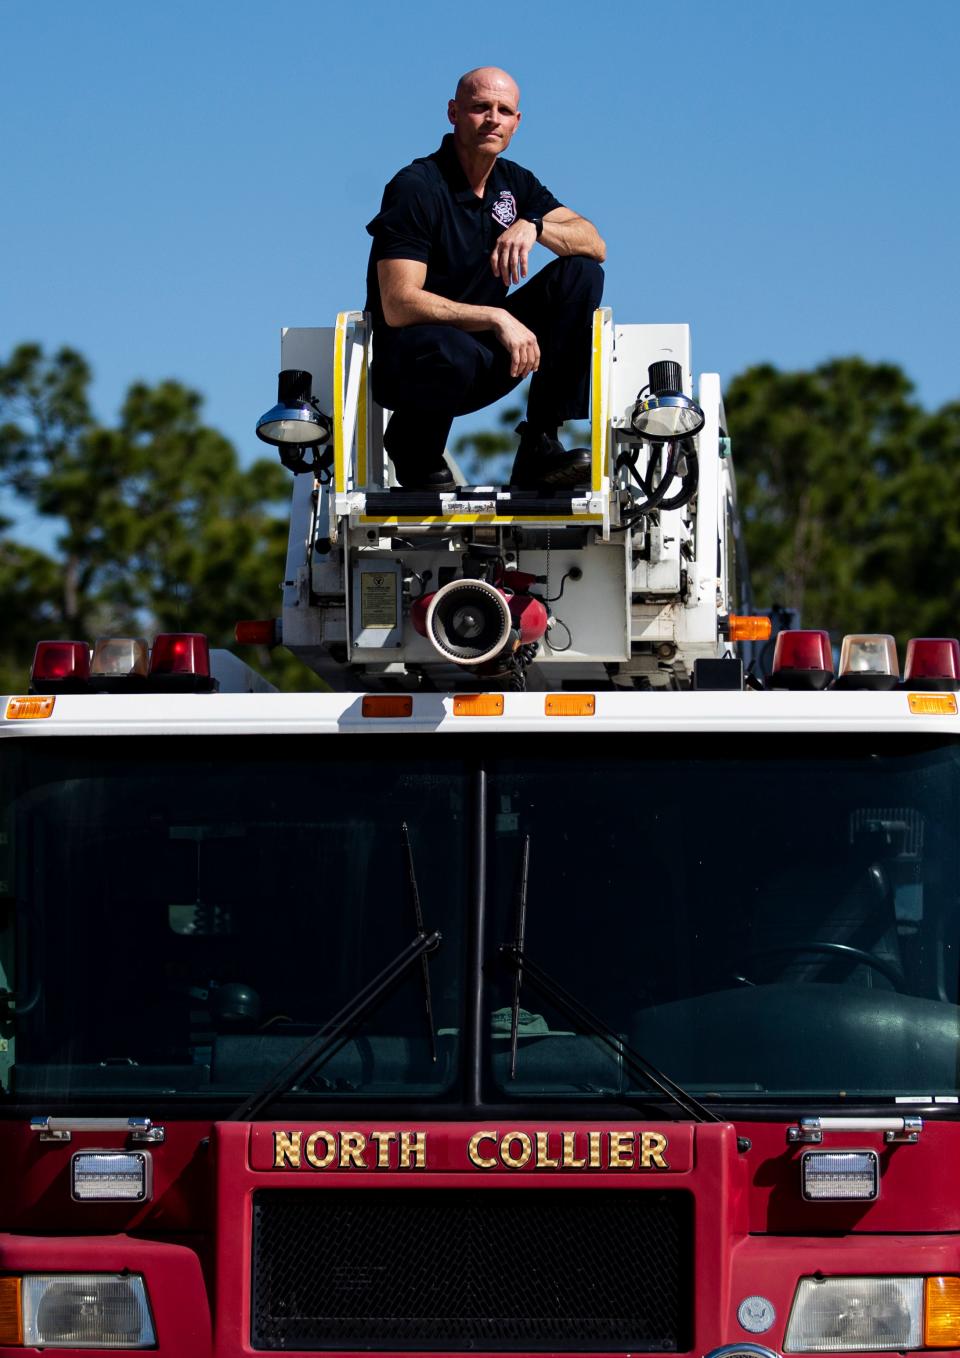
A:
544,1160
652,1146
621,1150
286,1147
413,1150
570,1160
594,1144
507,1155
352,1146
383,1140
329,1149
473,1150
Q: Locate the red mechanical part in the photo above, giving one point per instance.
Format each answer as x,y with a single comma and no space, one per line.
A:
530,617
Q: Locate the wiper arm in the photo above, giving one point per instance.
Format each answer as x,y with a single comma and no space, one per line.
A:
578,1013
335,1029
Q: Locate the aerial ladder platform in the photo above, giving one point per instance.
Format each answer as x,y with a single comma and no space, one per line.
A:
633,577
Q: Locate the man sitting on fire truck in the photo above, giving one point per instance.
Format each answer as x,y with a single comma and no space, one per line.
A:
454,231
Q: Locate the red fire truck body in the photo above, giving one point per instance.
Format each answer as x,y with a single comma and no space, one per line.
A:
567,993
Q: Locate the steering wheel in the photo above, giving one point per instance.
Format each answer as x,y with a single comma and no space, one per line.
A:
888,969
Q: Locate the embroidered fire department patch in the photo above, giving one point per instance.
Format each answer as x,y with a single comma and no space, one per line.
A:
504,209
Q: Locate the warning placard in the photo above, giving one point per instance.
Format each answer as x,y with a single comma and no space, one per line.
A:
378,599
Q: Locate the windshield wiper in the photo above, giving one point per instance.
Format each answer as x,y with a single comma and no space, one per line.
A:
578,1013
515,956
418,920
332,1034
518,947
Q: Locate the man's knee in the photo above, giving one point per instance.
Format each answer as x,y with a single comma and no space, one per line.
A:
582,277
425,365
571,281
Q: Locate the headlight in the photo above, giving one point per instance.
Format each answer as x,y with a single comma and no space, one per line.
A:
843,1315
86,1311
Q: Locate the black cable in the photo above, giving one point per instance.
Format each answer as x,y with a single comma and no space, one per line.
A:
656,498
558,650
688,483
553,599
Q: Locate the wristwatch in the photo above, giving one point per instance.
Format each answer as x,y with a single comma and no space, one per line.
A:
538,223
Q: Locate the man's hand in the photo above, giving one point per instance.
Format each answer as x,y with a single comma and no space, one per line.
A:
519,342
512,250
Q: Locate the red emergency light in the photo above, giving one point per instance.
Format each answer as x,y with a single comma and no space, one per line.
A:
176,653
932,663
801,660
59,666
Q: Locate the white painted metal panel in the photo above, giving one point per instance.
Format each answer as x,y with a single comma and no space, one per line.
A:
315,713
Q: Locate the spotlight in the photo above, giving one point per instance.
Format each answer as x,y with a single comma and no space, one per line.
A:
666,414
296,418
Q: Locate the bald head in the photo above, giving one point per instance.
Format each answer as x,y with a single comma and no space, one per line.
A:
485,113
487,78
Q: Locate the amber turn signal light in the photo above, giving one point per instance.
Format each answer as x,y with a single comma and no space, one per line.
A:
941,1313
570,705
387,705
741,627
29,709
11,1314
478,704
932,704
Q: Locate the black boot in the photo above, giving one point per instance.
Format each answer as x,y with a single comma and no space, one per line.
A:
417,468
543,462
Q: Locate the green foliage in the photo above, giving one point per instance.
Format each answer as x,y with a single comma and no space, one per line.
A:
159,528
850,493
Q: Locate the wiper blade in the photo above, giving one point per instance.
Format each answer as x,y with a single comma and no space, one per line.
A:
333,1032
418,919
574,1010
519,945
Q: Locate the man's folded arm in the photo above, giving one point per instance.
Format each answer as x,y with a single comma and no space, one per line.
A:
565,232
405,301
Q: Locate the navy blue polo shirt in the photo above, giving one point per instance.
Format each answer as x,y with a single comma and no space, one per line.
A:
431,214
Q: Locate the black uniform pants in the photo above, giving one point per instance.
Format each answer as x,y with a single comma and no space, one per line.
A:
427,374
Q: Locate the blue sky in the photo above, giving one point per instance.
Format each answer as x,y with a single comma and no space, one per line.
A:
182,177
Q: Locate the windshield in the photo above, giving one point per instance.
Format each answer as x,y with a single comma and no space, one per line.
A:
190,912
770,916
761,918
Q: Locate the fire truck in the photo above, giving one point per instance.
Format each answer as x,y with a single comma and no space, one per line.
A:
566,979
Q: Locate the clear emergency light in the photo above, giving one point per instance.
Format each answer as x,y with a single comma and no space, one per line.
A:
932,663
840,1176
120,655
111,1176
801,660
868,661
